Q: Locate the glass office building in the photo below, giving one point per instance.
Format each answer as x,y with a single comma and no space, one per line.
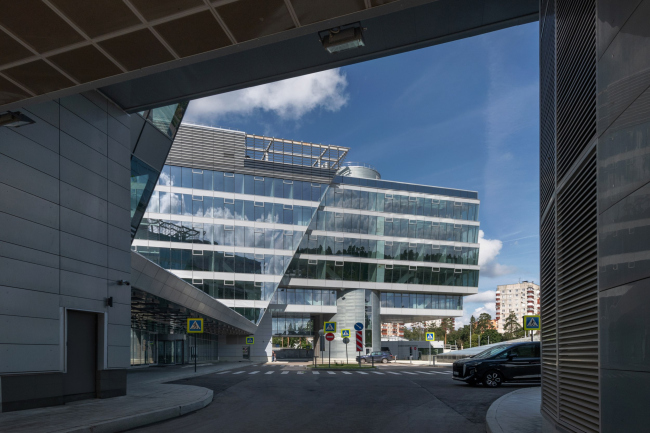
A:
285,234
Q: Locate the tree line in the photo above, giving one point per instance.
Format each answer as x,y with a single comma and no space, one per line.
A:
481,331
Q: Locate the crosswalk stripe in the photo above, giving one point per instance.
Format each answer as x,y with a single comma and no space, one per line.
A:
408,372
269,372
331,372
392,372
253,372
285,372
362,372
316,372
423,372
238,372
301,372
224,372
376,372
346,372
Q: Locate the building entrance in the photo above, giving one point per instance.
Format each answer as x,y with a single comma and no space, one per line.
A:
79,379
171,352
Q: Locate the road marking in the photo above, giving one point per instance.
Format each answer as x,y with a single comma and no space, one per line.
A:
408,372
423,372
392,372
238,372
331,372
315,372
301,372
285,372
269,372
346,372
376,372
442,372
253,372
362,372
224,372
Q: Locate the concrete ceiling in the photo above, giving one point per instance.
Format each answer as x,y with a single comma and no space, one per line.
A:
148,53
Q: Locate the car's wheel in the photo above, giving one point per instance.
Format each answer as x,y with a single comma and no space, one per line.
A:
492,379
364,360
384,361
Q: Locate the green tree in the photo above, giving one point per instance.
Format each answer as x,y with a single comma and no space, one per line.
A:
483,323
512,327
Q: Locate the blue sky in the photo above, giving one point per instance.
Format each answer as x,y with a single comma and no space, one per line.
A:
462,115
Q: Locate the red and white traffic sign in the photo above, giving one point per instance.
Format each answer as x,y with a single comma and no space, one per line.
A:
359,341
329,336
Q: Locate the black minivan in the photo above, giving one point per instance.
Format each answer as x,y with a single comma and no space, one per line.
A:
519,362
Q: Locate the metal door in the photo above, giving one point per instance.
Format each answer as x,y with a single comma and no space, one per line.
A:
81,356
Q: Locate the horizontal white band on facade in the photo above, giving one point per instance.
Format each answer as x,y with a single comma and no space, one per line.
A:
391,239
404,216
233,222
237,196
384,287
387,262
295,308
419,312
226,276
408,193
208,247
244,303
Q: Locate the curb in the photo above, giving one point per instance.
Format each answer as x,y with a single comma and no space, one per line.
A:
491,423
140,420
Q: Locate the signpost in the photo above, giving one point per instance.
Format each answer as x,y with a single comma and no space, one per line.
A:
358,327
329,337
532,323
194,326
346,340
431,336
345,333
321,333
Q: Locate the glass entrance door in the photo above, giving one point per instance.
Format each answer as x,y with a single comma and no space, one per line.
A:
170,352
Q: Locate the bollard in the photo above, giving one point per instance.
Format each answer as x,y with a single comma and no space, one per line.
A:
434,361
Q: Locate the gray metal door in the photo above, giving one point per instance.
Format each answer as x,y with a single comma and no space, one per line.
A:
79,381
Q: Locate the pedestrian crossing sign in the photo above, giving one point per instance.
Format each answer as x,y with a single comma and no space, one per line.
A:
431,336
194,326
345,333
532,323
250,340
330,327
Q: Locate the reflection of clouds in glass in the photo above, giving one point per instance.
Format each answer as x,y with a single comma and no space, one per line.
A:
165,179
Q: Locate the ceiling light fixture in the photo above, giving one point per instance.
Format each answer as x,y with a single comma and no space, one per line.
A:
14,119
342,38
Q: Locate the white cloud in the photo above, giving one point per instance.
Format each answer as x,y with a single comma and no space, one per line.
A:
289,99
486,296
488,252
488,307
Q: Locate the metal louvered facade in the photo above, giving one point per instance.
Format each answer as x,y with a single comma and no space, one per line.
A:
577,300
210,148
569,215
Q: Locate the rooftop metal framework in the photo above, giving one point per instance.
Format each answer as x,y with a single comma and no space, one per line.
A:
295,152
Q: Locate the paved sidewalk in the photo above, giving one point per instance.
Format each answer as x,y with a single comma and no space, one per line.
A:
516,412
148,400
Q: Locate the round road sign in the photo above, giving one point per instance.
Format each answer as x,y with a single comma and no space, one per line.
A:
329,336
346,340
358,326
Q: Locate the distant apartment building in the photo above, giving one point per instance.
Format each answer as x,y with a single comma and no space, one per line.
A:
438,323
520,298
392,330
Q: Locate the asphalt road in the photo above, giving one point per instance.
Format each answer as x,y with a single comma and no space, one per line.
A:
279,398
